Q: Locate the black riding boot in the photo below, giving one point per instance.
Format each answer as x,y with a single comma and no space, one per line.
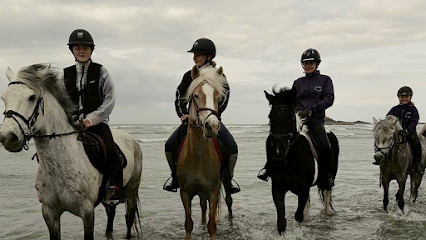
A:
172,185
416,149
115,193
228,172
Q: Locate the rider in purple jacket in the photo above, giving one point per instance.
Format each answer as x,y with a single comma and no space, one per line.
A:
314,94
408,116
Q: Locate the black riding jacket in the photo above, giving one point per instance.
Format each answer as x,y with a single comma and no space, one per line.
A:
181,104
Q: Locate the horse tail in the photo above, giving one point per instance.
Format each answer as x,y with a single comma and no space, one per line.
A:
138,223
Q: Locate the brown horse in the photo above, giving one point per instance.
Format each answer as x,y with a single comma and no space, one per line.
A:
198,169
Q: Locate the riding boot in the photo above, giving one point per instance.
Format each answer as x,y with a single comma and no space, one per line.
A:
416,149
229,173
263,173
172,185
115,193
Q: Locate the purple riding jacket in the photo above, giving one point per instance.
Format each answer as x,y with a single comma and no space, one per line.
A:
407,114
316,93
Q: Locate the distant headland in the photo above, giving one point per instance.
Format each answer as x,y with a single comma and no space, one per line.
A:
330,121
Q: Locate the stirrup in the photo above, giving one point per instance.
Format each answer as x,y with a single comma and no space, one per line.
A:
235,189
264,177
168,187
109,196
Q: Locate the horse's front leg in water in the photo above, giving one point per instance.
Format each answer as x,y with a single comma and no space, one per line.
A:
213,203
53,221
278,196
400,193
89,224
385,184
203,205
302,199
189,224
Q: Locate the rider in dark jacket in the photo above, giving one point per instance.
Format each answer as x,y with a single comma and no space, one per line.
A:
408,116
204,51
91,89
314,93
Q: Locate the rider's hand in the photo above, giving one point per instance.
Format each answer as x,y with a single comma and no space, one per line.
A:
87,122
184,117
304,114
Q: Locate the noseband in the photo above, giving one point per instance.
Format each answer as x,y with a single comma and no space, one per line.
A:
378,149
31,121
199,122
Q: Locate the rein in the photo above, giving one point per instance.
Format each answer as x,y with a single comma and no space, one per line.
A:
31,121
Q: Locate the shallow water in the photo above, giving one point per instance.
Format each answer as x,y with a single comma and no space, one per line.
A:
357,197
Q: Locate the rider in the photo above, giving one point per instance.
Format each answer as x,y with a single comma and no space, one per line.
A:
91,89
315,93
204,51
408,116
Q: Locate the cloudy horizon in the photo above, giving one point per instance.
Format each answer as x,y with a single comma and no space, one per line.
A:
369,49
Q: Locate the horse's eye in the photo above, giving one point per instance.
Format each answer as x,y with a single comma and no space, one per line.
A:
195,96
32,98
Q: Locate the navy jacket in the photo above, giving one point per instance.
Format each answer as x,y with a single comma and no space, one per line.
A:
407,114
316,93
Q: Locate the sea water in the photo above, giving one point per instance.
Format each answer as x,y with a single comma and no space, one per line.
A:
357,196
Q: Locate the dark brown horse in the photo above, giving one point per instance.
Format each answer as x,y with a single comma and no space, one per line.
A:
199,165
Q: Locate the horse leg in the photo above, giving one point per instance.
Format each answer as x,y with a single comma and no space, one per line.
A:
203,205
278,196
385,184
189,224
110,211
328,209
213,203
302,200
228,200
306,211
53,222
89,224
131,211
400,194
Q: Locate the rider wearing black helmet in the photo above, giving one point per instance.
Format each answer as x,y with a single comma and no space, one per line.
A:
204,51
315,93
408,116
91,89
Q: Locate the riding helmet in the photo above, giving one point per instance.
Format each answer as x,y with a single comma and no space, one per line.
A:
80,36
311,55
405,91
204,46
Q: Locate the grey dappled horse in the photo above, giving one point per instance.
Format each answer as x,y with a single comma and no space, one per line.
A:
37,106
394,155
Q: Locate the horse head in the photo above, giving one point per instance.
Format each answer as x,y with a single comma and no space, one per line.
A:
385,135
204,94
24,104
282,117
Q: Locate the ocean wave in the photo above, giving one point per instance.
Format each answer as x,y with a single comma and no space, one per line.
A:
151,140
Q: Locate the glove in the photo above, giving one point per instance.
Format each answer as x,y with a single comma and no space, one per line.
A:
305,114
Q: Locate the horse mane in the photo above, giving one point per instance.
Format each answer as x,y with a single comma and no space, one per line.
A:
387,125
43,78
210,75
285,95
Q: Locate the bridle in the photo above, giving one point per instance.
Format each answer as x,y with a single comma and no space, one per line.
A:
381,149
31,121
286,139
199,122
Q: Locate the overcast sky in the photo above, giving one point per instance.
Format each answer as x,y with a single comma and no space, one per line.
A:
369,48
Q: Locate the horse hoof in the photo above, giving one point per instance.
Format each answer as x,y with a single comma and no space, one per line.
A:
328,212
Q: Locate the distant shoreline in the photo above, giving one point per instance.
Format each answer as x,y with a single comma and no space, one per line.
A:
329,121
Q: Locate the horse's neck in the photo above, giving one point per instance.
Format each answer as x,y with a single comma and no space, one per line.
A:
55,150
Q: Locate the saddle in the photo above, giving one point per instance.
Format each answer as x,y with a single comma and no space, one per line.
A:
218,145
96,151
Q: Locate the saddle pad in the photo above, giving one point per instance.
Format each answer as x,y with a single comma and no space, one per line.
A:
216,146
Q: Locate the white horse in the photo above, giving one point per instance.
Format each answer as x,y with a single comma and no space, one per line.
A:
38,106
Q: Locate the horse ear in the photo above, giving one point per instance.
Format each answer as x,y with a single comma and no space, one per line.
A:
195,72
268,96
220,71
375,120
9,74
